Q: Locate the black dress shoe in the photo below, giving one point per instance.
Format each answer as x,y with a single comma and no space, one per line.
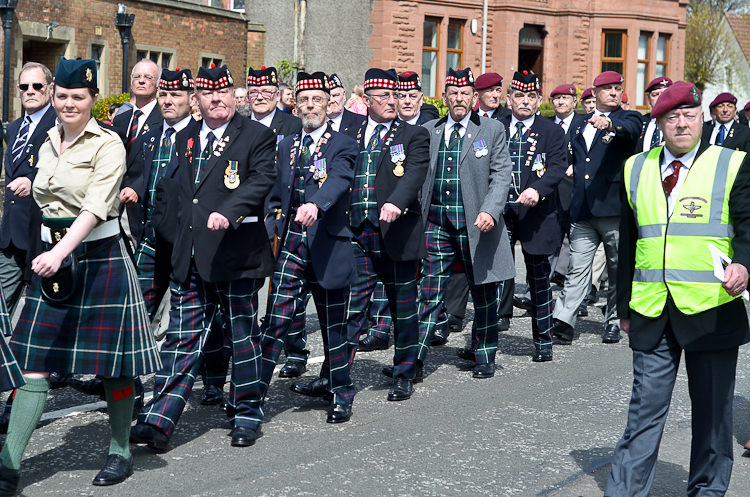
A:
418,372
316,388
8,481
243,437
455,324
94,386
401,389
557,279
58,380
592,297
370,343
523,303
611,334
466,354
503,324
582,310
440,337
542,355
212,395
484,370
339,413
150,435
562,331
116,470
292,369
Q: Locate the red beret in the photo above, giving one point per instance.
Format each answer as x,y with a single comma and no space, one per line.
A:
680,95
747,107
563,90
587,93
488,80
722,98
608,78
658,83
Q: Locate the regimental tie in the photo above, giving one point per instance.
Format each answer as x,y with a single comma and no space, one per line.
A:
517,143
455,135
655,138
374,142
200,164
670,181
303,161
166,142
721,135
23,137
133,131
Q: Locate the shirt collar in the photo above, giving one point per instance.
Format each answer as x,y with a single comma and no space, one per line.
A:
218,132
316,134
687,159
566,120
179,126
336,119
414,119
464,122
37,116
481,111
146,109
728,125
372,124
526,123
266,121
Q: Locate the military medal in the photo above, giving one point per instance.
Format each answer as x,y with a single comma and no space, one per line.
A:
608,137
398,170
189,151
231,175
538,166
279,138
480,149
320,173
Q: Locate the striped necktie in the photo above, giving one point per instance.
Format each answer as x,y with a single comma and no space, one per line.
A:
133,131
23,137
374,142
455,135
655,138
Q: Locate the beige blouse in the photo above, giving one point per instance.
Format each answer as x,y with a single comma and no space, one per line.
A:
86,176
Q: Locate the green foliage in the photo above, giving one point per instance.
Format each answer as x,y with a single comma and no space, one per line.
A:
437,102
102,105
546,109
287,71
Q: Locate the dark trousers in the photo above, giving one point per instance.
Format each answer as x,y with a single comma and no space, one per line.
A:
711,377
400,282
295,342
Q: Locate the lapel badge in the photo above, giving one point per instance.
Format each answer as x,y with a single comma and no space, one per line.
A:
231,175
480,149
607,138
146,129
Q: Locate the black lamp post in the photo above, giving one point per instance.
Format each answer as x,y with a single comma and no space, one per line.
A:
124,23
7,8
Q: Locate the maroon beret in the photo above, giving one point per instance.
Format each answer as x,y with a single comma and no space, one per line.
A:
488,80
587,93
608,78
722,98
563,90
680,95
658,83
747,107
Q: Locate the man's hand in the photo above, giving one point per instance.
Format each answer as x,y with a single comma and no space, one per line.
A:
307,214
569,171
46,264
21,187
625,325
735,279
601,122
529,197
484,222
128,196
217,222
389,213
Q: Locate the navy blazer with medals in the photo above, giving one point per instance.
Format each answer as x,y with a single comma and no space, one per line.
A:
284,124
403,238
329,238
737,138
17,211
242,250
597,173
645,118
349,120
539,227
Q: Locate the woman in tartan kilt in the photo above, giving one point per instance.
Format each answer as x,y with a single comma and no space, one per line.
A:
88,319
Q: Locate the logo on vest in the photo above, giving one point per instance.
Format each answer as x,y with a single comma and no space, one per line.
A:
692,207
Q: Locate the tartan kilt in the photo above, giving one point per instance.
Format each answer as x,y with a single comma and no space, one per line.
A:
102,329
10,373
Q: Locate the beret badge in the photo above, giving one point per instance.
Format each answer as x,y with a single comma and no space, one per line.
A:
695,95
88,75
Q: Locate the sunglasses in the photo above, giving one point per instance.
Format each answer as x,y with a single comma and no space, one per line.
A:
35,86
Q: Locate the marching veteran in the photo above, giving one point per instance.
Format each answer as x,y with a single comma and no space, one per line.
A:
84,311
684,201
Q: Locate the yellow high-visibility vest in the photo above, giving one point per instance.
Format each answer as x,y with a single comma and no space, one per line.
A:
672,251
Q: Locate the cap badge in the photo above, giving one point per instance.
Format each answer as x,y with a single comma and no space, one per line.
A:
88,75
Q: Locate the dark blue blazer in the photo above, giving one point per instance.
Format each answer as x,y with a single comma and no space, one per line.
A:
17,211
137,212
350,120
597,173
284,124
539,227
329,239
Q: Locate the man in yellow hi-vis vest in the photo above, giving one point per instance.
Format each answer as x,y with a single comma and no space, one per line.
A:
680,199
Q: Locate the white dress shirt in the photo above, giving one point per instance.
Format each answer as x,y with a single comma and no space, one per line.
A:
414,119
316,135
667,169
715,131
371,129
266,121
179,126
35,118
589,131
218,133
146,109
449,128
565,122
336,121
526,125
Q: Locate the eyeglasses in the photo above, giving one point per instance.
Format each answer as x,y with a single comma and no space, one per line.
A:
147,77
35,86
265,93
384,97
317,100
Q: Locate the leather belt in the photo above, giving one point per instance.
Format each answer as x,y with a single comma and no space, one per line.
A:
105,230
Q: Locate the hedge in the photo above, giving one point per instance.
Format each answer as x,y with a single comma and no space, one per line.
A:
102,105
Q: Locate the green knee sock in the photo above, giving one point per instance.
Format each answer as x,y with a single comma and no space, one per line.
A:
120,400
28,406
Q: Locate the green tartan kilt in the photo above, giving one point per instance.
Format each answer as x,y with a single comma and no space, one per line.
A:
10,373
102,329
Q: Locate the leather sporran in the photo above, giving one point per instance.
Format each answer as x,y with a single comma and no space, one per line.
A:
62,285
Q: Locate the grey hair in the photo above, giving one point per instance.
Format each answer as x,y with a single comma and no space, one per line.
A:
158,68
32,65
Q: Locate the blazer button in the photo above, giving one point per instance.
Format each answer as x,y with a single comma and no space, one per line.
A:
195,200
12,202
586,176
588,159
190,228
143,222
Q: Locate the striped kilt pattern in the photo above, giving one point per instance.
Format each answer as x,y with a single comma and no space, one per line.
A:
217,353
152,288
444,245
380,313
294,279
400,282
194,305
10,374
295,343
102,329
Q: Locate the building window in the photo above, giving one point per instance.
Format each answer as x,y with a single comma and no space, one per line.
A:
430,47
613,51
217,61
454,57
662,55
162,57
97,53
644,49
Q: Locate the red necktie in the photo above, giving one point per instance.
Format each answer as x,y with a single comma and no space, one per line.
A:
133,131
671,180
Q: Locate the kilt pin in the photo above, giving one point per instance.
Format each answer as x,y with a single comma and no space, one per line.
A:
469,173
230,174
390,169
315,168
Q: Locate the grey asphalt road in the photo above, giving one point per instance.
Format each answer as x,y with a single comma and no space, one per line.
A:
533,430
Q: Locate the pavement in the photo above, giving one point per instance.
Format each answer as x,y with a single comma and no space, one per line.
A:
533,430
